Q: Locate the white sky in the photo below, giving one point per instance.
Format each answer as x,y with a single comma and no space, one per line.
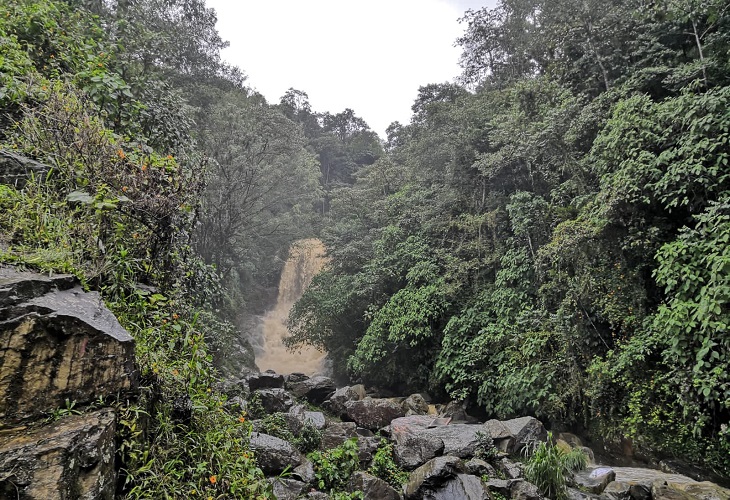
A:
368,55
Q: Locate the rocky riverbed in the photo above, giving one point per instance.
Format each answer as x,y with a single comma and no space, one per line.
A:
439,446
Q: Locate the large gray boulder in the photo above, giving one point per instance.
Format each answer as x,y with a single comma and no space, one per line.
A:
373,488
58,343
459,440
415,404
265,380
419,438
619,490
522,490
337,433
663,490
275,400
594,480
412,450
71,458
431,476
503,439
511,436
525,430
286,488
461,487
373,413
315,390
274,455
336,402
301,416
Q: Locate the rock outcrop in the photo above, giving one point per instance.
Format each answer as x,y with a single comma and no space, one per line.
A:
72,458
60,350
57,344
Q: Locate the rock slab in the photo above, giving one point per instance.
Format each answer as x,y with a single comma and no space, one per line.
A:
57,343
71,458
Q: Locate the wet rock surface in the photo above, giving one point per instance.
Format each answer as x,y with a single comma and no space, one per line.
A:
265,380
372,488
373,413
71,458
431,476
594,480
274,455
316,390
57,343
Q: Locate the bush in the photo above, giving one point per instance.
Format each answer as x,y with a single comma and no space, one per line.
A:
309,438
385,468
547,467
333,468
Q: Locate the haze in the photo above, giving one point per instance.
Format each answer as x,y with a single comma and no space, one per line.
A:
370,56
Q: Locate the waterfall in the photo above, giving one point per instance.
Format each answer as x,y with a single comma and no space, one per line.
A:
306,258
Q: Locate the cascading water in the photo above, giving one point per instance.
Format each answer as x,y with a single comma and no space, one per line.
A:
306,258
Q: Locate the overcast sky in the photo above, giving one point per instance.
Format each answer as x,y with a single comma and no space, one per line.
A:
368,55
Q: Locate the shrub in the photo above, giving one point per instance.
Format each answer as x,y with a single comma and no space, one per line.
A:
547,467
333,468
309,438
385,468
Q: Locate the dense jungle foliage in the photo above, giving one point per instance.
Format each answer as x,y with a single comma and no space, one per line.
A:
550,234
171,188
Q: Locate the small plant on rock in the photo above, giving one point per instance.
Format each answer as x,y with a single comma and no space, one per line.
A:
309,438
485,449
333,468
385,468
547,467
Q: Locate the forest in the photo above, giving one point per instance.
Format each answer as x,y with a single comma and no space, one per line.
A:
548,236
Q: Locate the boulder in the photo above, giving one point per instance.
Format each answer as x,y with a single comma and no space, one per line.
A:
337,433
460,440
316,390
704,490
293,378
373,413
456,411
367,446
274,455
412,450
16,170
525,430
575,494
413,446
594,480
286,489
415,404
661,490
522,490
360,391
373,488
510,469
70,458
303,416
500,486
265,380
461,487
478,467
336,402
503,439
58,344
304,472
431,476
619,490
275,400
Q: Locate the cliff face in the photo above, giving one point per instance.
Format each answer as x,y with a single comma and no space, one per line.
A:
59,347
